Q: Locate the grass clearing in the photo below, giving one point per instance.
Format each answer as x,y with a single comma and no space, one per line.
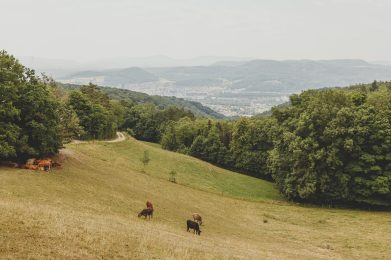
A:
88,209
190,171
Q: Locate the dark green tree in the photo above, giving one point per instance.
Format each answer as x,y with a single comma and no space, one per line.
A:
374,86
252,140
97,121
29,120
334,148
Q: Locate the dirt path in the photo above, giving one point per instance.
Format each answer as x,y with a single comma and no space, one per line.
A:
120,137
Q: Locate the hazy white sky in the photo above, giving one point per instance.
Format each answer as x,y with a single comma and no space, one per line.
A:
271,29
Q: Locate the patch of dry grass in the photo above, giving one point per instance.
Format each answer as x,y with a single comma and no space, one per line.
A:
88,209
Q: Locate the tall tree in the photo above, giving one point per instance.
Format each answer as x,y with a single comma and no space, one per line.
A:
29,117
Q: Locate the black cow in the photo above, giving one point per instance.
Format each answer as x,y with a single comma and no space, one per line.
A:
146,213
193,225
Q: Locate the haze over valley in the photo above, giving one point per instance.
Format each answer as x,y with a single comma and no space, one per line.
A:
238,87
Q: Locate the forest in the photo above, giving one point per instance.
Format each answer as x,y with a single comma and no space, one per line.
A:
329,146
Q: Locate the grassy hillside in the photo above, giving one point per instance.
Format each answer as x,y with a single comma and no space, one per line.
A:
88,209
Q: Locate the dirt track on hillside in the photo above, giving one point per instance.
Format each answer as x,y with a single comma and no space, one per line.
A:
120,137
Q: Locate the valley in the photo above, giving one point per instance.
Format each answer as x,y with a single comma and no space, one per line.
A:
237,88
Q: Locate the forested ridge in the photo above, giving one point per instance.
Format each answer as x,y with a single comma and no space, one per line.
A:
328,146
159,101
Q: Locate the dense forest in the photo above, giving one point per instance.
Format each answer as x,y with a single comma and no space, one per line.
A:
327,146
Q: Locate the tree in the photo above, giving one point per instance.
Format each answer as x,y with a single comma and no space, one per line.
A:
147,122
145,159
251,142
70,127
141,119
374,86
97,121
92,91
334,148
169,140
28,114
209,147
172,177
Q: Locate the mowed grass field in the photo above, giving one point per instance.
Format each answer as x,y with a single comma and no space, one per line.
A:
88,208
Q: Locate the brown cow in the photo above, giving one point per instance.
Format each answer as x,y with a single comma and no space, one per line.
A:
146,213
197,217
149,205
44,164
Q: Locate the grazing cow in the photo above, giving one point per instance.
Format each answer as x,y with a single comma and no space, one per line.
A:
197,217
193,225
44,164
149,205
146,213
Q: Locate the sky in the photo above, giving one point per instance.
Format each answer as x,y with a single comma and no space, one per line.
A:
86,30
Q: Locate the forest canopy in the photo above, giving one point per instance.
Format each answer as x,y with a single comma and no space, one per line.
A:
29,113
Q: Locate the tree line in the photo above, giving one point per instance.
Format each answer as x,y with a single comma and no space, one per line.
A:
327,146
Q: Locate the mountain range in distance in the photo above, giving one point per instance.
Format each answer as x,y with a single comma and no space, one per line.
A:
236,87
64,67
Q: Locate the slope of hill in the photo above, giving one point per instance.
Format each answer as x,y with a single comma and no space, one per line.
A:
160,101
88,209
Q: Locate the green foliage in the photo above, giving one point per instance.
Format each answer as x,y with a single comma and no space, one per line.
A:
200,138
29,120
70,127
209,147
172,177
143,122
328,146
147,121
334,147
145,159
251,142
374,86
243,145
161,102
94,112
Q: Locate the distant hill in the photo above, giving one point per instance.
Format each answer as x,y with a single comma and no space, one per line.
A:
113,77
271,75
59,68
382,62
160,101
239,88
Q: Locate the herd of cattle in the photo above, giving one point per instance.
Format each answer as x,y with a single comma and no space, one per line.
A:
33,164
191,224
